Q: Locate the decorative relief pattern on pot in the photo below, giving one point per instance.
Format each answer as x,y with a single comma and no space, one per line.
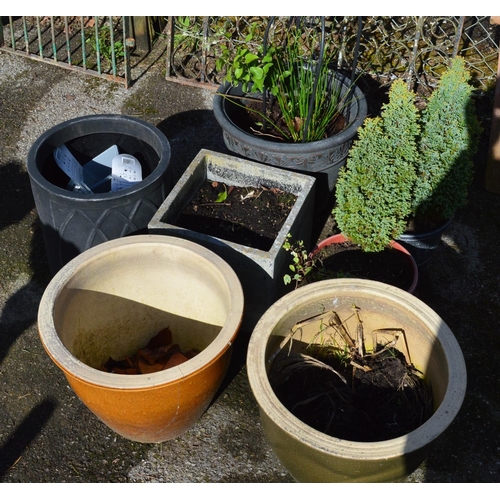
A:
107,224
311,162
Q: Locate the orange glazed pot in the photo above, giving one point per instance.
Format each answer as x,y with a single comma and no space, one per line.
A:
111,299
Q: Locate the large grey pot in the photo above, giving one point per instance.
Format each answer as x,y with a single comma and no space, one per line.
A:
322,159
73,222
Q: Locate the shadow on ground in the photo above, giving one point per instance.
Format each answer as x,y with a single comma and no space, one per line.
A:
48,435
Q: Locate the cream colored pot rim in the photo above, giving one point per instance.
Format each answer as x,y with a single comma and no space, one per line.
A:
70,364
274,409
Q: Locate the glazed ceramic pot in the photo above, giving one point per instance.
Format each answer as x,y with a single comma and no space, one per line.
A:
312,456
111,299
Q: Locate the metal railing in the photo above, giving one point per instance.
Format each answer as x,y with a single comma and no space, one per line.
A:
96,45
415,48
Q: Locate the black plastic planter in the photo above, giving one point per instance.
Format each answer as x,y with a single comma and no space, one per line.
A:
71,221
322,159
422,245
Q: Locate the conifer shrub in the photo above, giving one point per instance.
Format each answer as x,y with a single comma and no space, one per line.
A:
374,190
406,165
450,131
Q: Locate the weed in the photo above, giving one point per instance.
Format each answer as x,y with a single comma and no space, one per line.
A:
102,43
302,262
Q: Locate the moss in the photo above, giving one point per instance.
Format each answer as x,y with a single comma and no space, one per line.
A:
139,104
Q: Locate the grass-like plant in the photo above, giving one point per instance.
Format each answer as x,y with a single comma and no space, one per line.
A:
374,190
293,85
302,85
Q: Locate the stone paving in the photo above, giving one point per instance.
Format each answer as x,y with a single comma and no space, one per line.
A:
48,435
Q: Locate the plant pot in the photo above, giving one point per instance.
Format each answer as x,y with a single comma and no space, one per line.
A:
322,159
73,222
260,271
422,245
111,299
312,456
411,268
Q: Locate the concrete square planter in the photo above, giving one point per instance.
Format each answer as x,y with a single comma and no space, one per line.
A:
260,272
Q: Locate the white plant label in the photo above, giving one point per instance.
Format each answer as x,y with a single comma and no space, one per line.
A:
105,158
69,165
97,171
125,172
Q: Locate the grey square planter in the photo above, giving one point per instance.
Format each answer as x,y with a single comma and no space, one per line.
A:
260,272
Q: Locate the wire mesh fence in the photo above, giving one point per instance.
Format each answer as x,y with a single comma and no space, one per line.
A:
415,48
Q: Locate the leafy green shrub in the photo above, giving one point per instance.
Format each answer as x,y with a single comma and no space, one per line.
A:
374,191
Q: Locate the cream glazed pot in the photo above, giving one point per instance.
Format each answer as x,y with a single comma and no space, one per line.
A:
312,456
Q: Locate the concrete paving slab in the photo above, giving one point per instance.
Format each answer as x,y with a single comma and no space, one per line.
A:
48,435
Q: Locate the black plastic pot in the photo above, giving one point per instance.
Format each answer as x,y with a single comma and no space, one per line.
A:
322,159
422,245
73,222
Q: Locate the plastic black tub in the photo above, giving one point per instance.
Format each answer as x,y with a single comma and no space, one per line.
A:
422,245
71,221
322,159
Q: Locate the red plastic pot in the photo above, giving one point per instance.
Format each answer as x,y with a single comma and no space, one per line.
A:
340,238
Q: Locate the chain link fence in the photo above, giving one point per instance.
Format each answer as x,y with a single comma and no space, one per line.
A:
415,48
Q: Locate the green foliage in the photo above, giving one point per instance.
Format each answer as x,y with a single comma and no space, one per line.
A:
251,69
222,196
241,61
302,264
288,71
406,165
449,141
374,191
103,39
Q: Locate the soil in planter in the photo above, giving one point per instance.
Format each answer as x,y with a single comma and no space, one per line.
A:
249,119
388,401
250,216
346,260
